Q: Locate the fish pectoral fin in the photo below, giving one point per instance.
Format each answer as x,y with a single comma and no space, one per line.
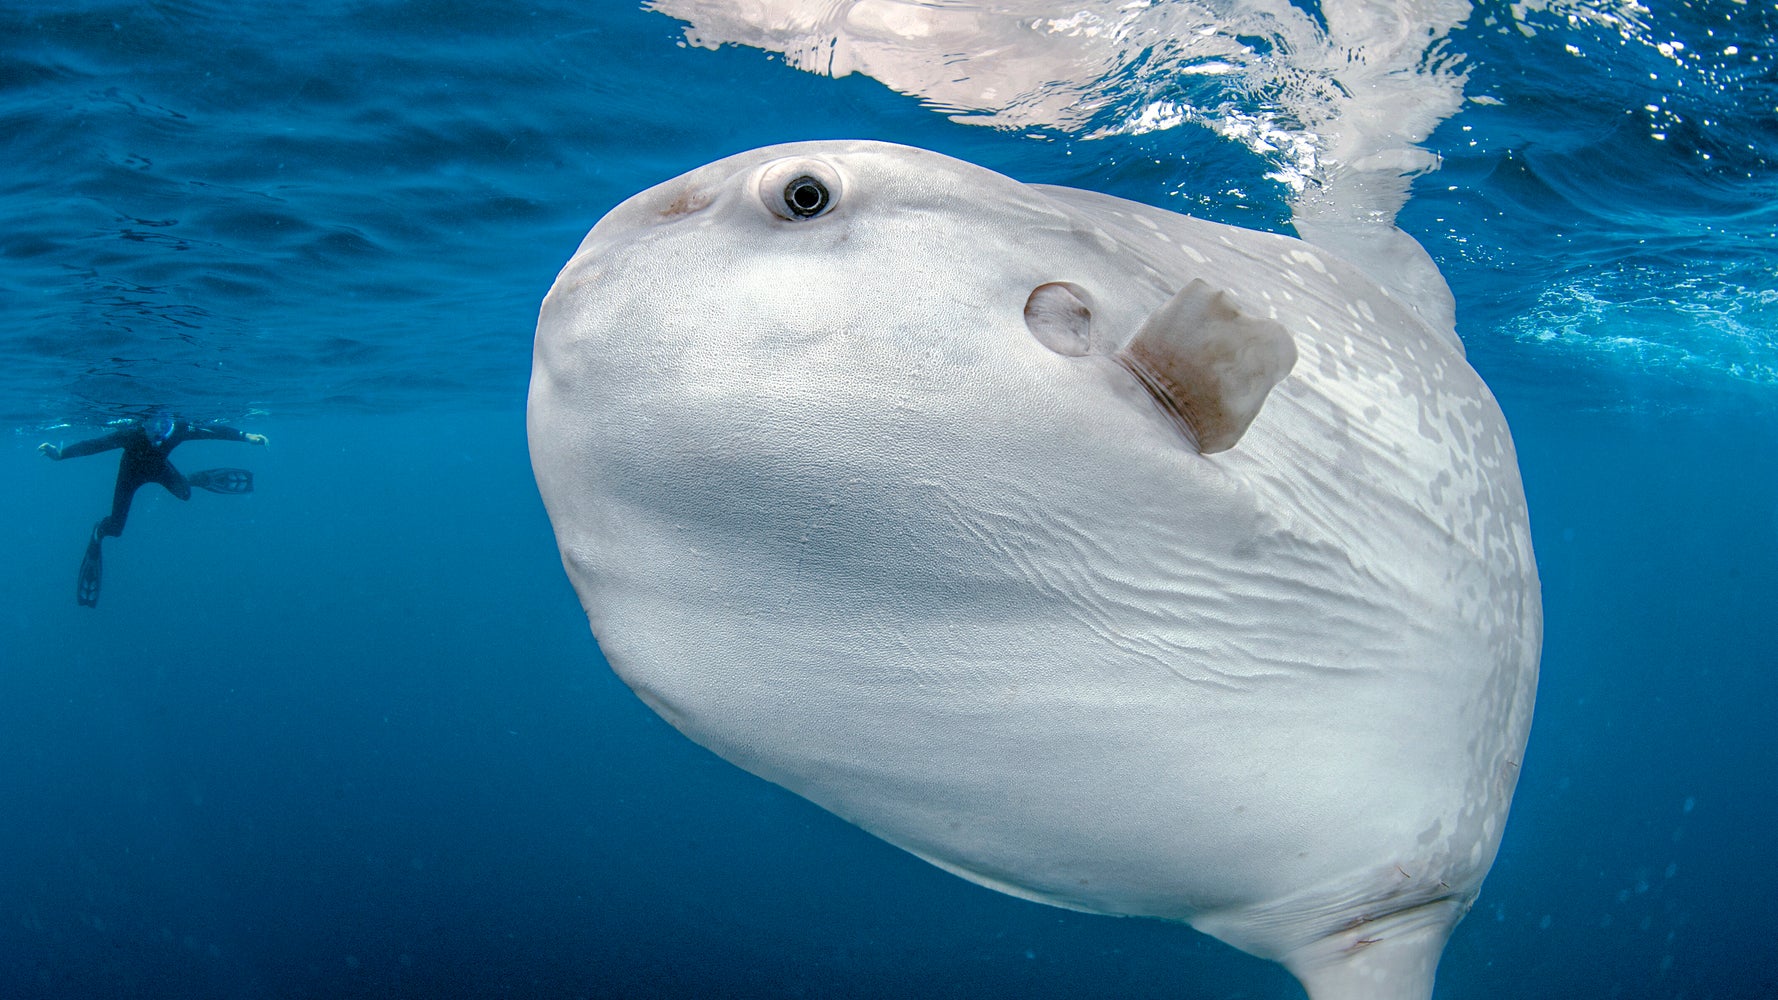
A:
1209,363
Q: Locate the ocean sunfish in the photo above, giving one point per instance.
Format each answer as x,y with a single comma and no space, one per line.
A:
1100,555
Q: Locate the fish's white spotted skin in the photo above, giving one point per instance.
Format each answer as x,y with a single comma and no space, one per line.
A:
838,515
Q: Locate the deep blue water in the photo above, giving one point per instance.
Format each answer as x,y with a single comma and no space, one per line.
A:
349,736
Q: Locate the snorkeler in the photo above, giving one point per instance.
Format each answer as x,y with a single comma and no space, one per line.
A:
146,445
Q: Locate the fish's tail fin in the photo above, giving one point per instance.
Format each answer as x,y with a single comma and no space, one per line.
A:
1390,958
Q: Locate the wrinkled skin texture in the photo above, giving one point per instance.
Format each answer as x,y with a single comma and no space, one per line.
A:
838,515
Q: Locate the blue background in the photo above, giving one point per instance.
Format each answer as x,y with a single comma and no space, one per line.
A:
350,736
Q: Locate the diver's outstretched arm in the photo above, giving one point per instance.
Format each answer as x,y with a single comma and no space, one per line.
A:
218,432
82,448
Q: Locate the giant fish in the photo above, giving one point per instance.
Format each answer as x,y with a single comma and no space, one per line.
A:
1104,556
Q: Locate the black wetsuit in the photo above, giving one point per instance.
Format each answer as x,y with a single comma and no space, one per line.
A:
145,462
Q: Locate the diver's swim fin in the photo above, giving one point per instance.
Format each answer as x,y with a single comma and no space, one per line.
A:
222,480
91,568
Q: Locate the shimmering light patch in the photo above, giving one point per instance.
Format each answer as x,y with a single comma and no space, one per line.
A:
1705,324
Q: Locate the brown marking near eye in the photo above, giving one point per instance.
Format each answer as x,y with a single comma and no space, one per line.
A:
687,201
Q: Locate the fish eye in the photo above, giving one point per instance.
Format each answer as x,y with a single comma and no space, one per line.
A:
797,190
806,196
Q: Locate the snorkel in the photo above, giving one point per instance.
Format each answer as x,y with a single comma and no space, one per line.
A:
159,427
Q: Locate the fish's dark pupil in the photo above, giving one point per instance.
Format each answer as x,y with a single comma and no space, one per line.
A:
806,196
